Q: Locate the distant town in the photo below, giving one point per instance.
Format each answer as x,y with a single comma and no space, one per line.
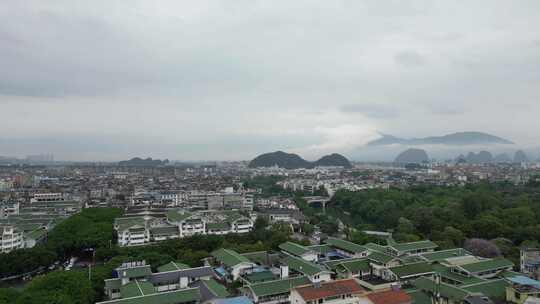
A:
152,231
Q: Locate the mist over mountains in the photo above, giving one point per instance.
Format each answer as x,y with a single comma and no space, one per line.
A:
459,138
387,148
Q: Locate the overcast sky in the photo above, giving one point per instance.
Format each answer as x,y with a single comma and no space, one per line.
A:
192,80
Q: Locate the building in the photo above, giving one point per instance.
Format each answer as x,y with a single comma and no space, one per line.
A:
522,289
275,291
298,250
530,262
134,282
347,248
178,223
232,263
335,292
10,239
9,209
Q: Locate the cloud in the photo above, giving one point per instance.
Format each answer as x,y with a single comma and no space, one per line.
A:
339,139
410,59
227,80
377,111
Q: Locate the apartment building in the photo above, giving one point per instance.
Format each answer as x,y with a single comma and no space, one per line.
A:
10,239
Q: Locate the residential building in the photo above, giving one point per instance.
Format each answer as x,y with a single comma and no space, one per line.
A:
335,292
232,263
530,262
10,239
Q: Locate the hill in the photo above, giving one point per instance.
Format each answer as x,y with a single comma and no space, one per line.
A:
137,161
480,157
502,158
520,157
293,161
333,159
412,156
454,139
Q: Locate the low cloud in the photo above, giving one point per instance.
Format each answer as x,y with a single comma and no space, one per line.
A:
410,59
371,110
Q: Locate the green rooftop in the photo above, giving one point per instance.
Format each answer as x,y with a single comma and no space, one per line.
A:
294,248
170,297
444,254
487,265
375,247
172,266
380,258
414,269
455,278
135,272
358,265
302,266
447,291
345,245
136,288
413,246
494,289
321,249
217,289
229,257
261,276
278,286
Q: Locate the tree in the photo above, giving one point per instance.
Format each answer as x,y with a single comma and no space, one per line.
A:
482,248
453,236
307,228
8,295
60,287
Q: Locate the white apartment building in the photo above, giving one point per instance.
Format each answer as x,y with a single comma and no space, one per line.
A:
9,208
47,197
10,239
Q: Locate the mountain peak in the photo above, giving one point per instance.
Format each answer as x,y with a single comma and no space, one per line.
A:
453,139
293,161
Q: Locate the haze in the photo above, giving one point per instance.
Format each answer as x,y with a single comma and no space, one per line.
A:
227,80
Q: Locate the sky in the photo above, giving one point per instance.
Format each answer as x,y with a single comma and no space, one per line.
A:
227,80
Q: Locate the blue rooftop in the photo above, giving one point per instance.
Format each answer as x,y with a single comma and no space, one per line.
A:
523,280
236,300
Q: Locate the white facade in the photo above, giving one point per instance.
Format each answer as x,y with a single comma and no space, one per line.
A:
10,239
8,209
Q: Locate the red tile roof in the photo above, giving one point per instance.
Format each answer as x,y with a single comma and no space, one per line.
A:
329,289
390,297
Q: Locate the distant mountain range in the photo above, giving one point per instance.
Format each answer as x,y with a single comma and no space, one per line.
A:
454,139
487,157
293,161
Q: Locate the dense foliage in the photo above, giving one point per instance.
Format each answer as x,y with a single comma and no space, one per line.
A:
90,229
448,215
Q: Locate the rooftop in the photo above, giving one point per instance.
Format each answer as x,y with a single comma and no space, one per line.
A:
294,248
229,257
412,246
329,289
389,297
345,245
277,286
487,265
